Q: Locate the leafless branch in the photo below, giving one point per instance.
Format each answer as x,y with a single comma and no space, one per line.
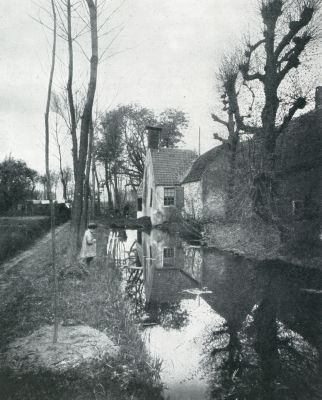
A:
219,120
216,136
299,104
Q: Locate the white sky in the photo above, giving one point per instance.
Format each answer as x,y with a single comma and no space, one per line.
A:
170,50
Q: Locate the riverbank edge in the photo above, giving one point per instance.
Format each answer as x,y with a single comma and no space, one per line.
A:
94,299
258,242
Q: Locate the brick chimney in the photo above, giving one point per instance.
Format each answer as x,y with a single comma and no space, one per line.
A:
154,134
318,98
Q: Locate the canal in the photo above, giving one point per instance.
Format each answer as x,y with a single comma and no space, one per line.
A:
225,327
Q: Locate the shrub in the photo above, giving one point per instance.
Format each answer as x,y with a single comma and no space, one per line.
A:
18,233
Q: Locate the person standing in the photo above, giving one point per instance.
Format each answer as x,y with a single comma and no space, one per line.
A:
88,251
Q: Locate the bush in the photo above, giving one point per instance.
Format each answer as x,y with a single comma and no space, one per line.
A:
18,233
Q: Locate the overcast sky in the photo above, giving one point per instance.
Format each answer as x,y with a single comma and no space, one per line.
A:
169,52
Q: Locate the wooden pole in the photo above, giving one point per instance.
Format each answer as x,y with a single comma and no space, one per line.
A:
199,142
48,175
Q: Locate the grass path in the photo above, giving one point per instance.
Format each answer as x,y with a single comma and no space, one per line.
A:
26,256
95,300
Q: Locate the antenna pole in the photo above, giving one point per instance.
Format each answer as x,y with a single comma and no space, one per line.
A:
199,141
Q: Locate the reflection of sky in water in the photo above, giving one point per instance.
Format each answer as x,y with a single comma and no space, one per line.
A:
131,238
181,351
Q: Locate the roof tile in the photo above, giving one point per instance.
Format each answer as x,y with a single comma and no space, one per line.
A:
169,165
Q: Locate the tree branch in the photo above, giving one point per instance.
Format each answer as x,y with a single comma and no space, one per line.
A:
216,136
294,28
219,120
293,59
299,104
245,67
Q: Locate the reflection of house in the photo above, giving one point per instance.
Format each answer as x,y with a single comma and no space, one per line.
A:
238,286
164,167
163,260
204,185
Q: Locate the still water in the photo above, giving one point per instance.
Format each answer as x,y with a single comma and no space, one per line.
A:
224,326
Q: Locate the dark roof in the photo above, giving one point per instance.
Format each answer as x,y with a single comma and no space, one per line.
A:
301,142
201,163
169,165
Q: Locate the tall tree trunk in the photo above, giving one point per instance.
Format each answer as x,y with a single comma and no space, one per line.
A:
85,126
64,189
72,111
87,176
116,190
98,191
264,181
49,193
61,171
108,188
93,185
233,140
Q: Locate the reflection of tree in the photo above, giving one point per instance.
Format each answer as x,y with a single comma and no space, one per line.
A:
168,315
262,359
266,344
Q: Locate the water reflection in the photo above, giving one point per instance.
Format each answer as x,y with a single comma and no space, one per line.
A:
255,334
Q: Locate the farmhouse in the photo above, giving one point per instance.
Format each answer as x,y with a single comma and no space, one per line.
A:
162,195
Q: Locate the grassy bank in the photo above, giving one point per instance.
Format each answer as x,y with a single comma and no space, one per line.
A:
96,300
17,233
255,240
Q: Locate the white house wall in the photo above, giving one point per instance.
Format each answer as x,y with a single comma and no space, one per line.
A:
158,213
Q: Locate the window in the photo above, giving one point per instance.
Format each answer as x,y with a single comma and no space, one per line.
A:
297,207
139,203
168,257
169,196
151,197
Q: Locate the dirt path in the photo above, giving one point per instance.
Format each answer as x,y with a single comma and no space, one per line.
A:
24,257
25,287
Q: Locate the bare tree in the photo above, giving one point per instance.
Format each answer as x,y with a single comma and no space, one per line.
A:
49,191
87,190
77,21
288,30
228,78
65,172
70,94
85,128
